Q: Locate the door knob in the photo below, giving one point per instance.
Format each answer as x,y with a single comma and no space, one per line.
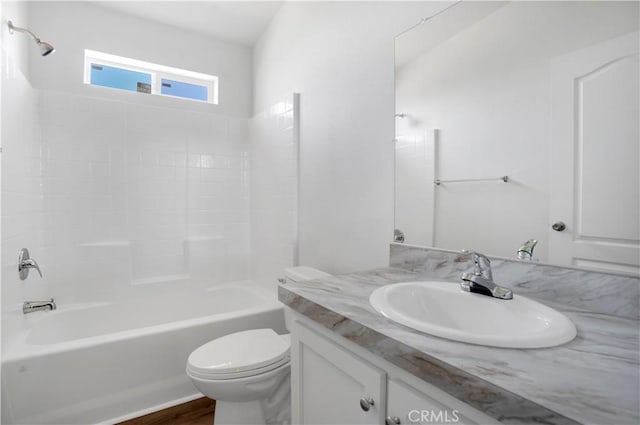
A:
366,403
558,226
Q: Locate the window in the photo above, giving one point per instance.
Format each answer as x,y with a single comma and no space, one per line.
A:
182,89
119,78
102,69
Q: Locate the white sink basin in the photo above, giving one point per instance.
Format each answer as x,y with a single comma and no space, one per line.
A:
443,309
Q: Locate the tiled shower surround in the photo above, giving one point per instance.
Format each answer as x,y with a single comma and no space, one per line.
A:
110,195
273,155
21,184
137,194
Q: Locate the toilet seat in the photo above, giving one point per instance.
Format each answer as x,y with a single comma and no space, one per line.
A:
239,355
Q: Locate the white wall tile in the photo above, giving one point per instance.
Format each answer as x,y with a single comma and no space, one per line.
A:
273,184
22,204
92,186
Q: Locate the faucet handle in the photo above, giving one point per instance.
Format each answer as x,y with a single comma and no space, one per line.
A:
32,264
481,264
25,263
525,252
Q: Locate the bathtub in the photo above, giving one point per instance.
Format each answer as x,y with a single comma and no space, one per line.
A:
105,362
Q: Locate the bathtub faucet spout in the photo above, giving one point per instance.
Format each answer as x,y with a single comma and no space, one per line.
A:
31,306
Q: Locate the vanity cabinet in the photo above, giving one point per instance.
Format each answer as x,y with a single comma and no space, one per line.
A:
407,405
334,381
330,385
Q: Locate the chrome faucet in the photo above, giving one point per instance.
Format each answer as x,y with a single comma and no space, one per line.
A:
481,280
525,252
31,306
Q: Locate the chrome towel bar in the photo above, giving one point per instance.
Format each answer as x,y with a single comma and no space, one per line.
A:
438,182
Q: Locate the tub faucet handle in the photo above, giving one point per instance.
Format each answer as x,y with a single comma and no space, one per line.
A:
25,263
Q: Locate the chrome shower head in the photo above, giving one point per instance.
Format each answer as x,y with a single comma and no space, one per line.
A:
45,48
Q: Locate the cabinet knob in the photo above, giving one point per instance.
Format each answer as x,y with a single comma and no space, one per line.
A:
392,420
366,403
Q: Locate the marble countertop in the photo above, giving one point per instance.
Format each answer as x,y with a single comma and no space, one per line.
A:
593,379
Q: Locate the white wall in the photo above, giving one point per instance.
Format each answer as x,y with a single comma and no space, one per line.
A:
74,26
340,57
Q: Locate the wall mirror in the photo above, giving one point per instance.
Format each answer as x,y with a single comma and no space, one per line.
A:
518,121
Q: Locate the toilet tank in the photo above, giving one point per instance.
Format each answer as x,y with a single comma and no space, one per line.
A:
302,273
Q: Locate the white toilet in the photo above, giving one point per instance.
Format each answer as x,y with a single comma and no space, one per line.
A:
247,372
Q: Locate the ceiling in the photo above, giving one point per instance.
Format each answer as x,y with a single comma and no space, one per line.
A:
240,22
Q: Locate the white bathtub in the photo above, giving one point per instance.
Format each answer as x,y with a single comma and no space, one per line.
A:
107,362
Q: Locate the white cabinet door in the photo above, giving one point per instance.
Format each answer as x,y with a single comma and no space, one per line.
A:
595,177
406,405
329,383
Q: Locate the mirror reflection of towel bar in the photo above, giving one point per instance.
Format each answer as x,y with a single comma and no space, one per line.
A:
438,182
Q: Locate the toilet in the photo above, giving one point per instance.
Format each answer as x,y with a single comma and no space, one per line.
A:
247,372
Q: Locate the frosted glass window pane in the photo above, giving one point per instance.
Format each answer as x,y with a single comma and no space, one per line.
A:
186,90
118,78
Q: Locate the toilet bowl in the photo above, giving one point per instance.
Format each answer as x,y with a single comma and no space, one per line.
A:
247,372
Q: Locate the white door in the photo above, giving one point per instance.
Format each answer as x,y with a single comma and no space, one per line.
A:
595,160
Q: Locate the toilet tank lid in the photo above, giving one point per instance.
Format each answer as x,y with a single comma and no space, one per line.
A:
302,273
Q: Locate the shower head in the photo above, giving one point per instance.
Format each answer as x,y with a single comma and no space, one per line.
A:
45,48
